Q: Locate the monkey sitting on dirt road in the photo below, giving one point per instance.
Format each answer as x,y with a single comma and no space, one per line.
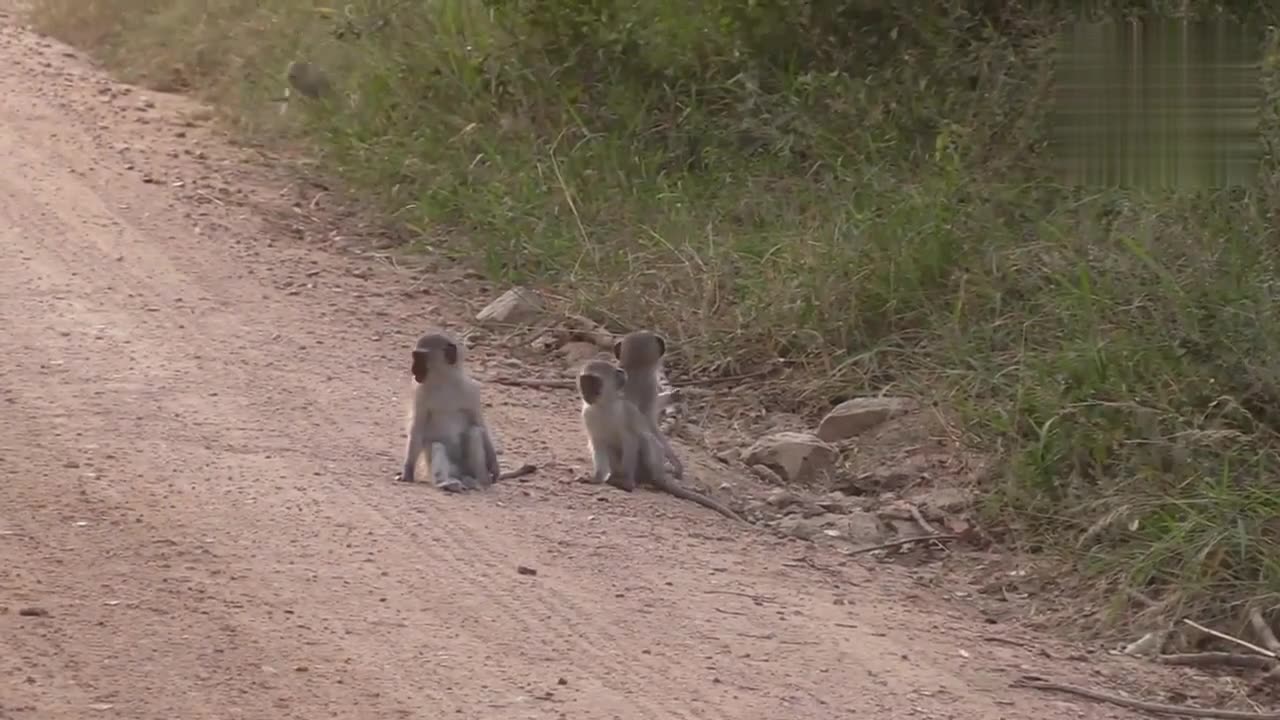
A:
446,421
640,354
625,450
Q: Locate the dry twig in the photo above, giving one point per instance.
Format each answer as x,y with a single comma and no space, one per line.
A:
533,383
903,541
569,384
689,382
1031,681
1228,638
919,518
1209,659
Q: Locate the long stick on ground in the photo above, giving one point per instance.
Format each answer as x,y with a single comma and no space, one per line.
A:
902,541
1228,638
1144,706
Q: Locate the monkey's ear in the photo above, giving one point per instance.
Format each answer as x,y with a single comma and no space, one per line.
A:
451,354
617,349
662,344
419,365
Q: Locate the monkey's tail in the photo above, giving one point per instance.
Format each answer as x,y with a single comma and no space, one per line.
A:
526,469
703,500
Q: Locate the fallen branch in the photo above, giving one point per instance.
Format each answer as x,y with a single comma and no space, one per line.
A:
1031,681
548,383
688,382
919,518
1210,659
1264,632
903,541
1228,638
533,383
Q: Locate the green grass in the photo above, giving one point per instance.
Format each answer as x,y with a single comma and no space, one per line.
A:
873,208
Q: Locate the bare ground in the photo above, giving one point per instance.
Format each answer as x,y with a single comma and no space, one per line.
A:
199,419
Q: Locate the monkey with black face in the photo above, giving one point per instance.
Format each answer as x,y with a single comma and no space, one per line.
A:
446,421
625,449
640,354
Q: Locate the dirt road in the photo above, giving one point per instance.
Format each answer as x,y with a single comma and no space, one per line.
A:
199,419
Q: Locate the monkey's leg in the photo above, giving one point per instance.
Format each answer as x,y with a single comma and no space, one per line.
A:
474,459
677,467
599,462
412,451
624,478
491,457
442,474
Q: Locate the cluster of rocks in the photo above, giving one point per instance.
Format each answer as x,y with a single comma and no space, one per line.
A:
817,498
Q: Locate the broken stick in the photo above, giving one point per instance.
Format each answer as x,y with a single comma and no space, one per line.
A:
1228,638
533,383
1031,681
919,518
1210,659
903,541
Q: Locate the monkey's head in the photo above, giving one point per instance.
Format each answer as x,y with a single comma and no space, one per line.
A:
642,348
599,379
435,352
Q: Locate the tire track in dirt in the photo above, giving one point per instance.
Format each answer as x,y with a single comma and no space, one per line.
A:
240,395
480,564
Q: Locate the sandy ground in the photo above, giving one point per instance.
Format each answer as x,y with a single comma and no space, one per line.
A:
199,420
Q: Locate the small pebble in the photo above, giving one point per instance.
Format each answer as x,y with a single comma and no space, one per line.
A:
526,570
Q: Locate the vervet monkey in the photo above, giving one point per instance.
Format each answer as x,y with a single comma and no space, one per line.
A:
640,354
446,421
625,450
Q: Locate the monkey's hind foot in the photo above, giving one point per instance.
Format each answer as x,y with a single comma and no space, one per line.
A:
450,484
620,482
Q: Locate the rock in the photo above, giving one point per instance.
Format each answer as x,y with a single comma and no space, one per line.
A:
514,307
764,473
577,353
834,503
858,415
905,528
782,498
896,510
876,482
944,501
863,528
801,527
795,456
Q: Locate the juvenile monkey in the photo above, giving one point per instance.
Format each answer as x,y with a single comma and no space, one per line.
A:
640,354
446,421
625,449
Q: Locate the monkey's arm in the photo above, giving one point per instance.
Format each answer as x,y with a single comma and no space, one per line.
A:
490,454
625,476
443,474
413,448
